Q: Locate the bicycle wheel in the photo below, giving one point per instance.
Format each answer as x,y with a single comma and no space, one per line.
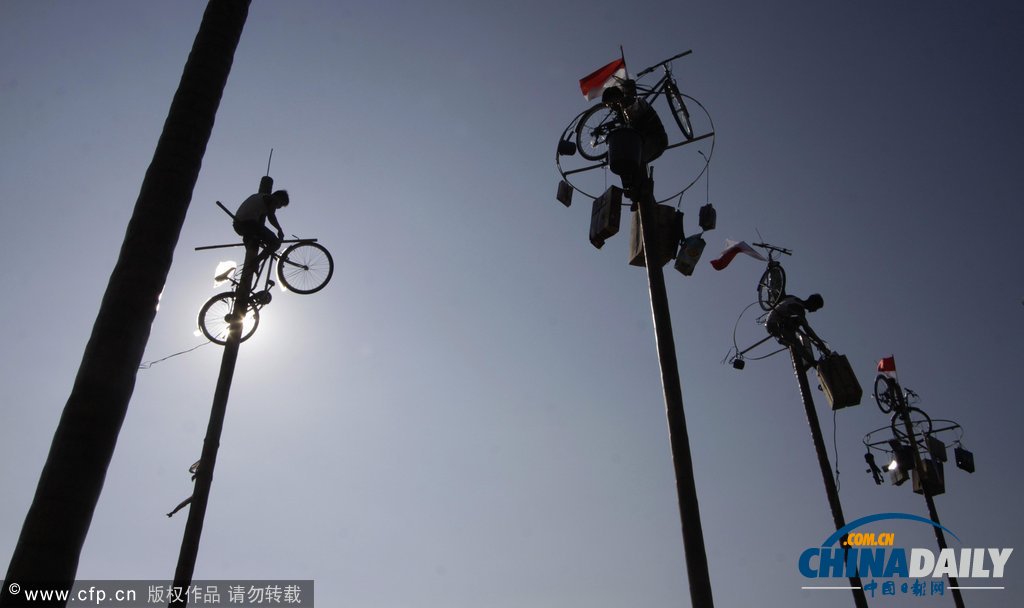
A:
592,132
679,111
214,315
305,267
886,393
920,423
771,287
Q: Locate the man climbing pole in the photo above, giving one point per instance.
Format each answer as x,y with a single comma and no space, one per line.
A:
789,318
251,217
639,115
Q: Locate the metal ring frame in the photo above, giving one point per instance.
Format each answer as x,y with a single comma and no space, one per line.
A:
707,159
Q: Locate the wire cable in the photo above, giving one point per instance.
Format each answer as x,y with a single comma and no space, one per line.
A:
147,364
737,324
735,347
711,153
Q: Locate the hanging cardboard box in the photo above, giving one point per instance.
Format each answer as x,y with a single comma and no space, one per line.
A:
668,230
838,381
605,216
689,254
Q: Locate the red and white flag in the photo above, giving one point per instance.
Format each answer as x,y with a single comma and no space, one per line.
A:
595,83
887,365
732,249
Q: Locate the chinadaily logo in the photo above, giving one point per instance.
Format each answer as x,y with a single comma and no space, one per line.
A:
886,568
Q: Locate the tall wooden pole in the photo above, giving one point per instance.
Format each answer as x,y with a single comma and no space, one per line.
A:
940,538
58,519
800,369
204,473
689,510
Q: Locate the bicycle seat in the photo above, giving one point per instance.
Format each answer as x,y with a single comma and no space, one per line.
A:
220,278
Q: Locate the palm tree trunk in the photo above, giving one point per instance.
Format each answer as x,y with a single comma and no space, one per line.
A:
58,520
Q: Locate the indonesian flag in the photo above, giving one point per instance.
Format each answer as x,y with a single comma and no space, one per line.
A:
732,248
887,365
595,83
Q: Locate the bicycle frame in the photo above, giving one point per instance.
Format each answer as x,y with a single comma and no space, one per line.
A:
651,93
258,273
267,284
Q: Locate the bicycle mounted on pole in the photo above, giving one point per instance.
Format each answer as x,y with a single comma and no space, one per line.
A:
304,267
595,123
589,131
772,286
891,399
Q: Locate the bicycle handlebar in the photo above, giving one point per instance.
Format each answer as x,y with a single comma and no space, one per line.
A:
774,248
657,65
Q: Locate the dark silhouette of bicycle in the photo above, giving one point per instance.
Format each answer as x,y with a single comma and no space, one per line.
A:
772,285
595,123
891,399
305,267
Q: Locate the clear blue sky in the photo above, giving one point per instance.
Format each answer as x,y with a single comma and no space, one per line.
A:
470,414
